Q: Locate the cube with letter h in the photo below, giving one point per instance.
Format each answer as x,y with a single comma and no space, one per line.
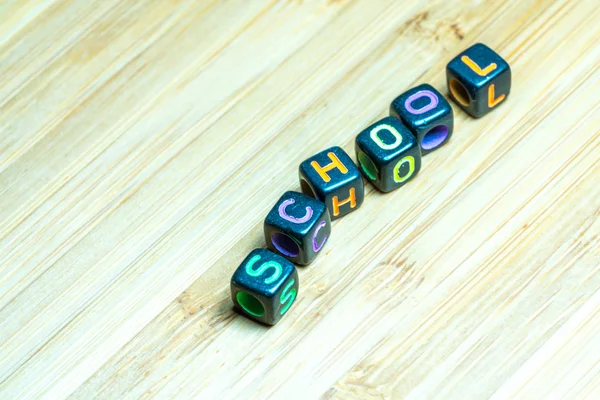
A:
264,286
297,227
478,79
332,177
388,154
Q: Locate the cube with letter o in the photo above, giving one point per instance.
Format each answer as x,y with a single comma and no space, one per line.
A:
427,114
388,154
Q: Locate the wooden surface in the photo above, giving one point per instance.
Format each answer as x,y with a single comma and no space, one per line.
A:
142,143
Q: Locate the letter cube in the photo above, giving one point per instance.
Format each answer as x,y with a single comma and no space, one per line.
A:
264,286
478,79
297,227
427,114
332,177
388,154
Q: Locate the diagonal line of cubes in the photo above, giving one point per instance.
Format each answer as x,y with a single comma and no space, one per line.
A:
389,154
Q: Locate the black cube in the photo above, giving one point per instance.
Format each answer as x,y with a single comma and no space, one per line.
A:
264,286
297,227
478,80
332,177
388,154
427,114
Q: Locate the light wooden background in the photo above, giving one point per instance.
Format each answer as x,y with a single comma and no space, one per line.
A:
142,143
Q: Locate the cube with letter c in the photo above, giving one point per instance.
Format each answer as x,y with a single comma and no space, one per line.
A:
388,154
332,177
297,227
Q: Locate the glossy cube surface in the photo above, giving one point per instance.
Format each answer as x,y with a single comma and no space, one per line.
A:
427,114
332,177
478,80
264,286
388,154
297,227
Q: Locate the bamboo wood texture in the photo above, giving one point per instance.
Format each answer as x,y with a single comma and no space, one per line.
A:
143,142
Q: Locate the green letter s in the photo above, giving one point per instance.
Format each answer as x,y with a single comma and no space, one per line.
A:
287,297
263,267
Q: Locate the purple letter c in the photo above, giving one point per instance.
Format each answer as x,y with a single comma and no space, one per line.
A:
317,247
284,215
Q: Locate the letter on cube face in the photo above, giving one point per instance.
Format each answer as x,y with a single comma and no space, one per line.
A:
478,80
264,286
427,114
297,227
388,154
332,177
